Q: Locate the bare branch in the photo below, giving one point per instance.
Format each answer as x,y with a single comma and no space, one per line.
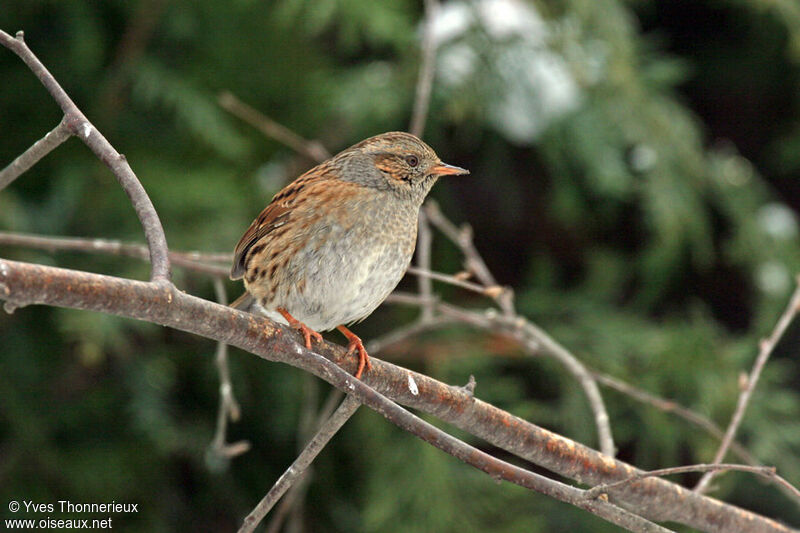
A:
197,261
193,260
32,155
535,339
419,116
228,406
531,341
314,150
654,498
402,333
765,350
79,125
492,292
407,298
462,237
162,303
298,467
427,69
670,406
425,284
291,501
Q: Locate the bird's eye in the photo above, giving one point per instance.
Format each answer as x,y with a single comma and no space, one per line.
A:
412,160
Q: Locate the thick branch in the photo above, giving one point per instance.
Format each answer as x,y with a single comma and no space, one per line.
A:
533,340
163,304
669,406
655,498
79,125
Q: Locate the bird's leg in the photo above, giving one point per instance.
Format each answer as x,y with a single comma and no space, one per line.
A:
296,324
356,344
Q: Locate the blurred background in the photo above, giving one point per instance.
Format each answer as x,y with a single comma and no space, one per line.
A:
635,179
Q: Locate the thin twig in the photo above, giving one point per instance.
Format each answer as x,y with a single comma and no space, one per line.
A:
424,283
314,150
309,453
765,471
427,70
80,126
441,320
197,261
419,116
202,261
765,350
32,155
297,491
405,332
228,406
492,292
462,237
408,298
291,504
536,342
670,406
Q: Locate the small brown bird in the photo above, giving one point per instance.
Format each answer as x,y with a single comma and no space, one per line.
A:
332,245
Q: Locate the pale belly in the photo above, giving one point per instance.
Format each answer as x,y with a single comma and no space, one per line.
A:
342,276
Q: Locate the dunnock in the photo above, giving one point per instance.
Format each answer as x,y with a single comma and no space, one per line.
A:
332,245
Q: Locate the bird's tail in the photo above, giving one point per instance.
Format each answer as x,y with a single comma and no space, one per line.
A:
244,302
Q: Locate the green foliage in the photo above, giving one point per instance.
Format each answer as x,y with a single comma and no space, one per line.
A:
207,123
634,179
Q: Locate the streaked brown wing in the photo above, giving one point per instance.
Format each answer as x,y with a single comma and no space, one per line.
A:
275,215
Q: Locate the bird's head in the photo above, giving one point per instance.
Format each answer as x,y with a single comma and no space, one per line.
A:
399,162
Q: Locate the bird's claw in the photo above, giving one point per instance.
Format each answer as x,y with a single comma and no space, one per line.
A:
356,345
302,328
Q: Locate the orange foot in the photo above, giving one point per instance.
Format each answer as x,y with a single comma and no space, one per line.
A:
356,344
296,324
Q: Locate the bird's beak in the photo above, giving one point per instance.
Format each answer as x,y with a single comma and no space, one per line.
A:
443,169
